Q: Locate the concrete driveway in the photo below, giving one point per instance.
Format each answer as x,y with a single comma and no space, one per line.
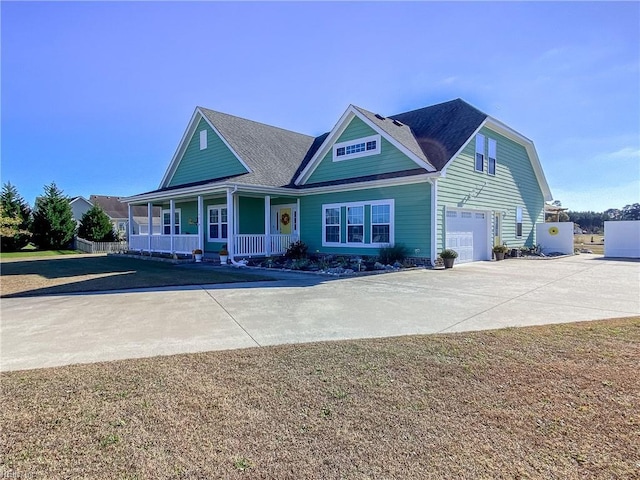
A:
59,330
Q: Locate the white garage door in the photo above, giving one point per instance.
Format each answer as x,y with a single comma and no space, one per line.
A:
467,234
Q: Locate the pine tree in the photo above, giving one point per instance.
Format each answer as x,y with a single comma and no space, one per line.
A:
96,226
16,216
53,224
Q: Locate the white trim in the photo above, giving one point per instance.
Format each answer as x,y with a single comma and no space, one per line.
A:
349,207
357,141
325,243
219,207
230,226
200,222
491,141
279,191
184,142
171,220
488,220
434,220
400,146
267,225
519,212
390,223
511,134
80,197
480,149
172,214
203,139
363,203
335,133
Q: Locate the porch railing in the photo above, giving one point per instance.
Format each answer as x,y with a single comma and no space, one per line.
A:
184,244
245,244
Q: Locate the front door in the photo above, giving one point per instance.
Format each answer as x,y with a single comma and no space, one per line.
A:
284,220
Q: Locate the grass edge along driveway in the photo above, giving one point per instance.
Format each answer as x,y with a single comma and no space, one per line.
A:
74,274
555,401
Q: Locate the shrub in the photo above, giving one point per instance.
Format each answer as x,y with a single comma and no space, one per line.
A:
16,216
500,249
96,226
53,224
448,253
297,250
392,253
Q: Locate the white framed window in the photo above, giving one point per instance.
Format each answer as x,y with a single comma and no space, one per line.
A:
355,224
381,223
217,224
203,139
122,226
166,222
518,222
479,162
375,217
331,227
361,147
491,158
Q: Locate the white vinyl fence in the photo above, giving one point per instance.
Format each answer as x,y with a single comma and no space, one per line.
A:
100,247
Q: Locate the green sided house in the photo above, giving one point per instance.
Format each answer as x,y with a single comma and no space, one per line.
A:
444,176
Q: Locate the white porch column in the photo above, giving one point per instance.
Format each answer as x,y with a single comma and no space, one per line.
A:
130,226
267,225
231,230
200,223
298,217
150,223
172,210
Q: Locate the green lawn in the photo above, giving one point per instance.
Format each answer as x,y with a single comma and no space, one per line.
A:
36,253
70,274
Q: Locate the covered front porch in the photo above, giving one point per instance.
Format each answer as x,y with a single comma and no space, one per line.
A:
247,223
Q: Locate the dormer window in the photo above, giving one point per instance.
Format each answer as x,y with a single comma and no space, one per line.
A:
361,147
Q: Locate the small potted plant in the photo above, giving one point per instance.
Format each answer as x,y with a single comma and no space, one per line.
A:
499,251
224,255
197,254
448,256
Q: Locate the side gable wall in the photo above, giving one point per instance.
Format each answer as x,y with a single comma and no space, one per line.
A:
216,161
390,159
514,184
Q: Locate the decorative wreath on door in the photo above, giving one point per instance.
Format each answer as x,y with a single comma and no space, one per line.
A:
285,219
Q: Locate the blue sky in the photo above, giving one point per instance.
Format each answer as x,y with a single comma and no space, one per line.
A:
96,96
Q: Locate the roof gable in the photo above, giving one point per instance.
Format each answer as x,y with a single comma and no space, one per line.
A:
442,130
386,158
191,163
270,155
400,138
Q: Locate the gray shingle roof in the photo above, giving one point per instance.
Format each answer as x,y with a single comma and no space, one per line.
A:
402,133
442,129
277,156
273,154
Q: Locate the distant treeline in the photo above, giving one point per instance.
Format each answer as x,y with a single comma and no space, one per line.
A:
593,222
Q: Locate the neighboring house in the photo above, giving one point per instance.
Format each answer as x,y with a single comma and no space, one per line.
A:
79,206
118,212
447,175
